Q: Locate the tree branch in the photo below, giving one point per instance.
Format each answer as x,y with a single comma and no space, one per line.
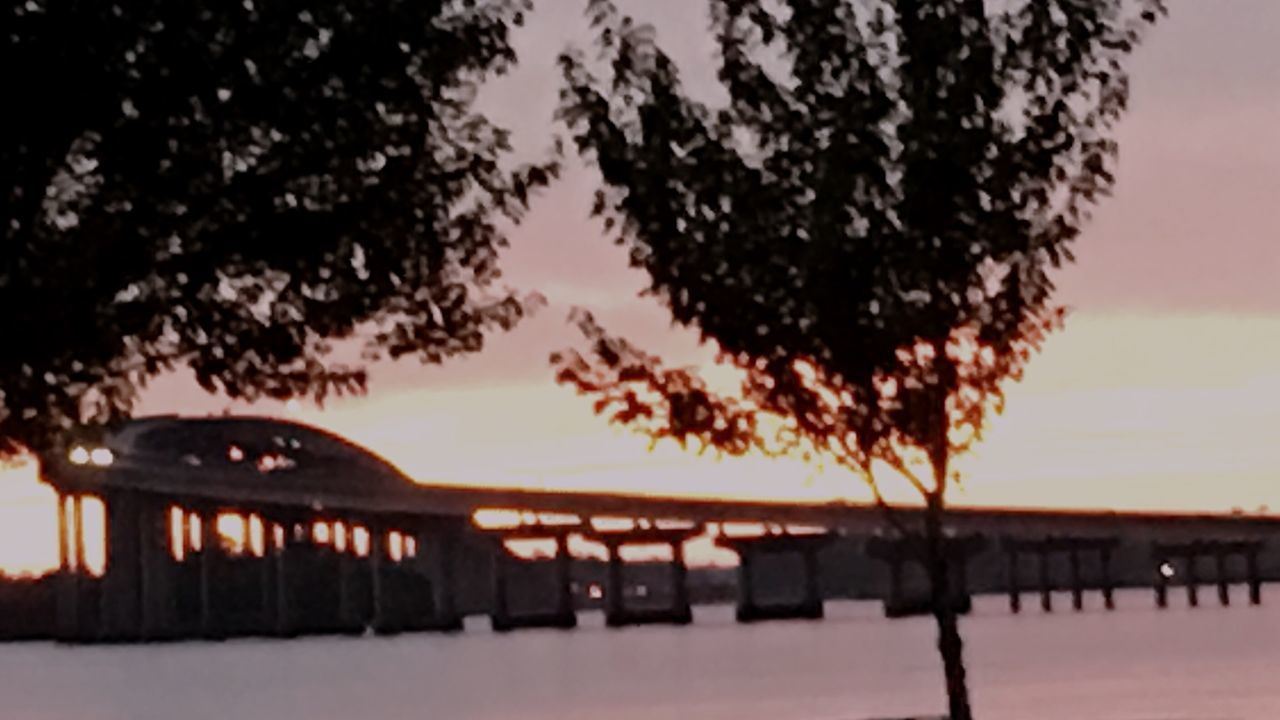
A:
895,462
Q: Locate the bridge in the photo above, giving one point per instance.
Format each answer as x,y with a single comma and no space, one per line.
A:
334,539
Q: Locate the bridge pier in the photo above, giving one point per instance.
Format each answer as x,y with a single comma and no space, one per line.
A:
1220,550
678,611
349,616
284,620
1224,591
437,546
1253,577
1046,589
120,599
156,570
898,551
896,595
1161,586
136,598
562,615
1077,589
377,559
1012,580
1072,547
1108,587
211,559
1193,579
803,547
133,599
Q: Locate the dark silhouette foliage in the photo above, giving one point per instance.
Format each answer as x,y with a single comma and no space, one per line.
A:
234,186
865,229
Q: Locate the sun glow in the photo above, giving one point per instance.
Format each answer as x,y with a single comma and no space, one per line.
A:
1120,412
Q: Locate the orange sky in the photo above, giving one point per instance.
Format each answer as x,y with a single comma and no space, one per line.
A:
1163,390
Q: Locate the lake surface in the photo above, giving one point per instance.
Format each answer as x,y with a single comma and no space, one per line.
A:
1135,663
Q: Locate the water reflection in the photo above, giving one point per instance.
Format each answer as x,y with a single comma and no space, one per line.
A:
1135,663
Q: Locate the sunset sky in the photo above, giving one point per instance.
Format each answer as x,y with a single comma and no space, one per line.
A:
1163,391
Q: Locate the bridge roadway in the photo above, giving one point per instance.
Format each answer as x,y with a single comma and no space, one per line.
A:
408,498
853,518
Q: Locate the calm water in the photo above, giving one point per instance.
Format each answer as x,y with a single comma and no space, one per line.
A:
1133,664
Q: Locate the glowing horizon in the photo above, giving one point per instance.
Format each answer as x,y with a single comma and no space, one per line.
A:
1176,426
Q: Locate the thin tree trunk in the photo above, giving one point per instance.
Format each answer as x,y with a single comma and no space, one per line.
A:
950,645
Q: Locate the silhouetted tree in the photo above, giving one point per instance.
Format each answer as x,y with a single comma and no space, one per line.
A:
233,186
864,228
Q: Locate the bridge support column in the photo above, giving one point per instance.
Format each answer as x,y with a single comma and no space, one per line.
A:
1161,586
812,579
1046,590
1193,580
617,614
283,615
747,609
1224,591
896,595
1253,577
1015,590
1190,553
121,584
561,615
680,583
564,578
1108,587
156,569
437,546
344,547
901,550
377,561
500,615
1072,547
614,607
804,548
1077,588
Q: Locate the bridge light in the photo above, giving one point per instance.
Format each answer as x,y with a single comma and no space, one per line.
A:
98,456
79,455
